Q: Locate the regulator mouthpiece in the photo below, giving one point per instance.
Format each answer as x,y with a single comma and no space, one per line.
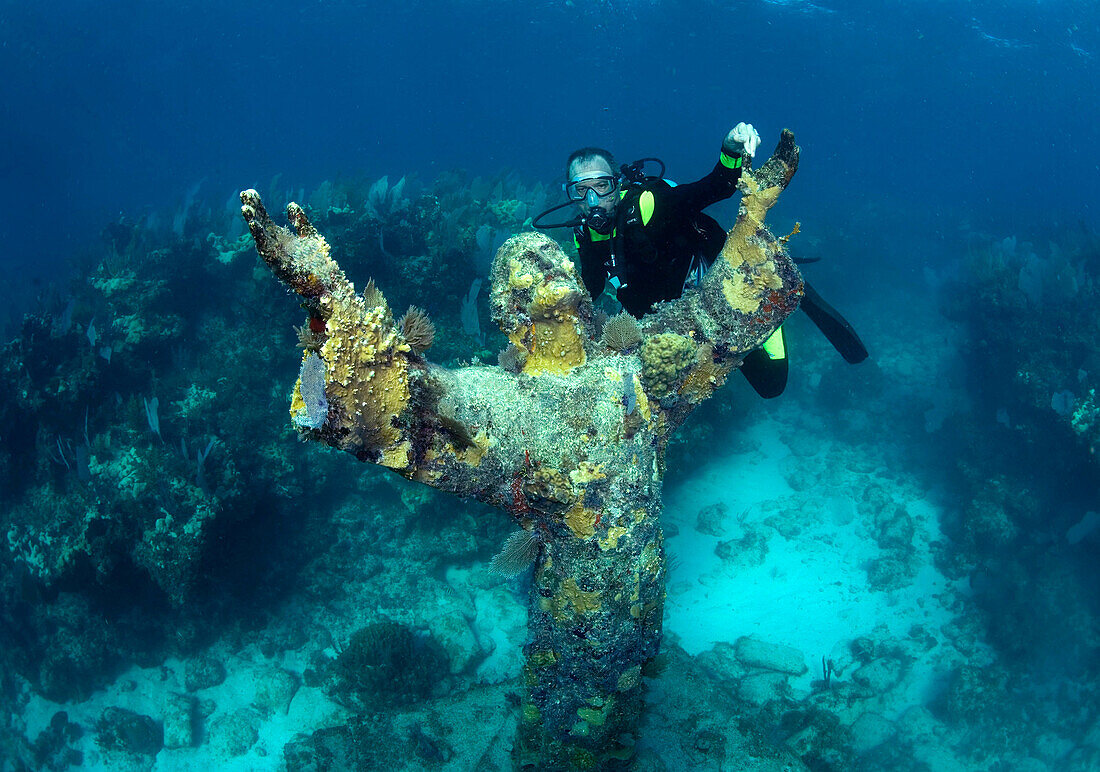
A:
598,220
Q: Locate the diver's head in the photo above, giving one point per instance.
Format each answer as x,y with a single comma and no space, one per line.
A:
594,186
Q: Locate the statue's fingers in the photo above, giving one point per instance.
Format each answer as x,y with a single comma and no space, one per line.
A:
260,224
253,211
300,261
302,226
782,165
786,150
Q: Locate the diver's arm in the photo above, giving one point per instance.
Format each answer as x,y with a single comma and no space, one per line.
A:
693,197
738,149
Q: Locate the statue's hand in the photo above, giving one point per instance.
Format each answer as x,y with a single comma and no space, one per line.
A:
298,257
778,170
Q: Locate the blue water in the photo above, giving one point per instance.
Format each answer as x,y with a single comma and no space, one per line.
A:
928,518
982,108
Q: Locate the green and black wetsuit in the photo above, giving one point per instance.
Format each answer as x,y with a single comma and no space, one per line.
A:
660,236
659,230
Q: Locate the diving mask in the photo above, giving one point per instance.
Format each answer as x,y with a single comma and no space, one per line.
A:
583,187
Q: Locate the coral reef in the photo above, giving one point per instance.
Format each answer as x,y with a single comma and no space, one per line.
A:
130,465
1022,461
1033,361
1033,319
571,447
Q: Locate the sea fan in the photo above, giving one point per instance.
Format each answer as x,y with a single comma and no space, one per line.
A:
418,329
518,552
373,297
512,358
621,332
312,387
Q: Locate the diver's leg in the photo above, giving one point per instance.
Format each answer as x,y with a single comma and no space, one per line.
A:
766,368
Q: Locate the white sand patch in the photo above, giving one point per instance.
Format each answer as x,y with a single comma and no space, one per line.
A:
811,591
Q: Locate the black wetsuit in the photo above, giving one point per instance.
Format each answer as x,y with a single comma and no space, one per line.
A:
659,230
651,248
655,244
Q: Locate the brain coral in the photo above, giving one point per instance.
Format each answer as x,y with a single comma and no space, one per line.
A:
664,359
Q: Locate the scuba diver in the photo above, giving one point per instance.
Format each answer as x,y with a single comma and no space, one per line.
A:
650,239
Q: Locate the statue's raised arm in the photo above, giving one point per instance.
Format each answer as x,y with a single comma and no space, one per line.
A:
567,436
364,385
750,289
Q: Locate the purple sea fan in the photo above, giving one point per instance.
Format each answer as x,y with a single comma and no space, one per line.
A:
311,380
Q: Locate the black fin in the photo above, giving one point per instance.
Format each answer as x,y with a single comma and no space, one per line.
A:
767,376
833,326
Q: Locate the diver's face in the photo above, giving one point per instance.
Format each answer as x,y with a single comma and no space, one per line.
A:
586,176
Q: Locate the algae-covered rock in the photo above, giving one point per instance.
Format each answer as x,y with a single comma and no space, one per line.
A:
233,734
711,519
889,572
179,721
762,688
894,528
52,748
203,672
78,653
454,634
770,656
880,675
819,739
693,730
501,626
871,730
720,661
364,742
275,688
750,549
124,730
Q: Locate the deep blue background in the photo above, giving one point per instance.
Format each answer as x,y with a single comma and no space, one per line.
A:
939,115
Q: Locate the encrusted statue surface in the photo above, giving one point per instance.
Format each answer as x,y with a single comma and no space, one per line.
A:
568,440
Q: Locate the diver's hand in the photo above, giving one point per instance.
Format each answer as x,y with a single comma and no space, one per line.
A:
742,140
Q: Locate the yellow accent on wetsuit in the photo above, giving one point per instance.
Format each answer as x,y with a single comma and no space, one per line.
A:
731,161
645,205
775,346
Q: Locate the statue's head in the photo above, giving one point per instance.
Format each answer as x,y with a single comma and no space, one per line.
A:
540,303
